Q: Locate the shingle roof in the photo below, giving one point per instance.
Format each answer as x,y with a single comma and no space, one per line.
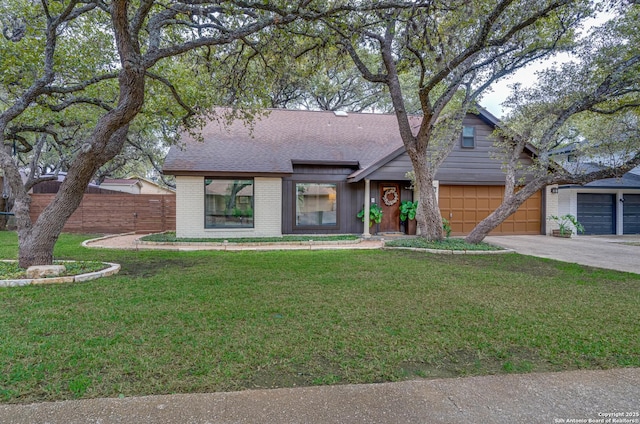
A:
286,136
120,181
628,180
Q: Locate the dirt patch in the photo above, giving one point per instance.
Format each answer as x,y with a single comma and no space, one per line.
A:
149,267
465,363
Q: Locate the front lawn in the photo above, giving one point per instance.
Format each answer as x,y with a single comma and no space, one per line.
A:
177,322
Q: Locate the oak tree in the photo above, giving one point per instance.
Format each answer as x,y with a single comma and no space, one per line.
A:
590,105
458,49
101,64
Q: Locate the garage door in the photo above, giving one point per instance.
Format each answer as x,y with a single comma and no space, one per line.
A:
596,212
465,206
631,214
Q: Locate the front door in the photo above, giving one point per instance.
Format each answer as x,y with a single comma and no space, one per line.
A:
390,204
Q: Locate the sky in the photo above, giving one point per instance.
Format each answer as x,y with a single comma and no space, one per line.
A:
527,76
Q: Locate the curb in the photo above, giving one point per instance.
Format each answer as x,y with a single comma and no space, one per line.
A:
111,270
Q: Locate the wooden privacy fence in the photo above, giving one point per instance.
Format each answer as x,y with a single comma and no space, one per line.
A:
116,213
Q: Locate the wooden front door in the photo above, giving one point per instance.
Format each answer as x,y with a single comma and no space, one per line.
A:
389,201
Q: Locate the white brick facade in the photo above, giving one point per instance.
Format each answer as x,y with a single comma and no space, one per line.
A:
568,203
190,210
551,208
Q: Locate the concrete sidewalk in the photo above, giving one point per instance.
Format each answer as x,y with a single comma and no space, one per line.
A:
575,396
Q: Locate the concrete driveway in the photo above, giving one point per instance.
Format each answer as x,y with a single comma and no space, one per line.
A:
611,252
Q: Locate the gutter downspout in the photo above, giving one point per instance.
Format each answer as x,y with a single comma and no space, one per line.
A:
367,207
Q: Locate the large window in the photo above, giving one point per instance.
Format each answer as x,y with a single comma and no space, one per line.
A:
316,205
228,203
468,137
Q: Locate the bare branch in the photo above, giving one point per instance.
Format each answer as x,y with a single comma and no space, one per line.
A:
174,93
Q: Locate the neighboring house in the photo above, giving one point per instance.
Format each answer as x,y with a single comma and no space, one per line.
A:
151,187
52,186
304,172
608,206
123,185
135,185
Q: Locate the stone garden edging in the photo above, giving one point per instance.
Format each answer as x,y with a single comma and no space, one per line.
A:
111,270
454,252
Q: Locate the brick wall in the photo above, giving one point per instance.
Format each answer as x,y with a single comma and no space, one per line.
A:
551,208
190,210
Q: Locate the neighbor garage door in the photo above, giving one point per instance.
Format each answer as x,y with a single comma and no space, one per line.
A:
631,215
596,212
465,206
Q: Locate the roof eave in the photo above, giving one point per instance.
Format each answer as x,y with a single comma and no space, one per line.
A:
226,174
365,172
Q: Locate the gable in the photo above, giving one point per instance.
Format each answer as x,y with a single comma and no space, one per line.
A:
477,165
462,166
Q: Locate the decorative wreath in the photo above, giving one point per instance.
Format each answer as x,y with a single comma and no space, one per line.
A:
385,197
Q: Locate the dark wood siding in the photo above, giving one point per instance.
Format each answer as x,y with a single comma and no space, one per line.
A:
473,166
463,166
395,170
350,198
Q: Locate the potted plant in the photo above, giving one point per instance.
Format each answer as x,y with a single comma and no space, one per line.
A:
375,214
408,210
566,224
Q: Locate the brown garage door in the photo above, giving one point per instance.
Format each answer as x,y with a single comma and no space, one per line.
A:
465,206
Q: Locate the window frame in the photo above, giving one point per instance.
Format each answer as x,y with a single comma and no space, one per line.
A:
464,138
227,224
297,226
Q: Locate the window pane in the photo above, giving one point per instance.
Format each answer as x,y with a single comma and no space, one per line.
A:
228,203
316,204
468,136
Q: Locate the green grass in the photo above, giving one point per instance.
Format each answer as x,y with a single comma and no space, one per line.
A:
178,322
170,237
446,244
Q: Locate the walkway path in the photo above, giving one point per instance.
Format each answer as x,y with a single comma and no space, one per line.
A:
131,241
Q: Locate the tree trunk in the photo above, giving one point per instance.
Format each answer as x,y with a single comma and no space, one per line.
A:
494,219
428,217
36,246
37,240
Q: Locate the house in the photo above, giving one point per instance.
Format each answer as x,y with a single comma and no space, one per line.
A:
134,185
53,185
151,187
307,172
607,206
